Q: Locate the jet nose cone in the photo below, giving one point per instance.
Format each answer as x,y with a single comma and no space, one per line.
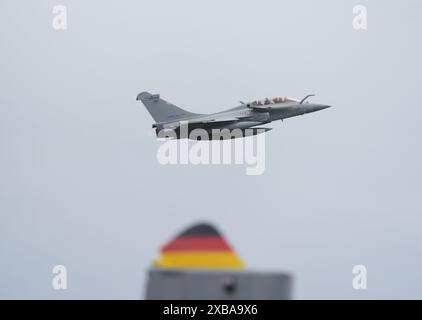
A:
308,108
319,107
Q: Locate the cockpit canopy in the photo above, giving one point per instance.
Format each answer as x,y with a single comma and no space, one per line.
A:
274,100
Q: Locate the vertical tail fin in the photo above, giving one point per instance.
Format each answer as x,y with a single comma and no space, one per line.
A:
161,110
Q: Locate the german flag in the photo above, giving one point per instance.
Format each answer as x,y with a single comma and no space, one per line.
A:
200,246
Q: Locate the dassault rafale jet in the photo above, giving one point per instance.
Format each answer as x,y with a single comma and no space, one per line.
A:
172,121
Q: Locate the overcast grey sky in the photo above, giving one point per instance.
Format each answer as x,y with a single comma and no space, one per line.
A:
80,184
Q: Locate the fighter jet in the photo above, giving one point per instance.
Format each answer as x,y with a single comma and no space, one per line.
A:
243,120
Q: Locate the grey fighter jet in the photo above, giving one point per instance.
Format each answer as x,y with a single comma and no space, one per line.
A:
174,122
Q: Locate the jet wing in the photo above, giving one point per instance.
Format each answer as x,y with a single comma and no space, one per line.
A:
203,123
219,121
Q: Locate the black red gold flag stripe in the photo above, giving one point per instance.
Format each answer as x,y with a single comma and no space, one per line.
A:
200,246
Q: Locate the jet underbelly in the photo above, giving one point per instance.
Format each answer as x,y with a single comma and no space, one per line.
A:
242,125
